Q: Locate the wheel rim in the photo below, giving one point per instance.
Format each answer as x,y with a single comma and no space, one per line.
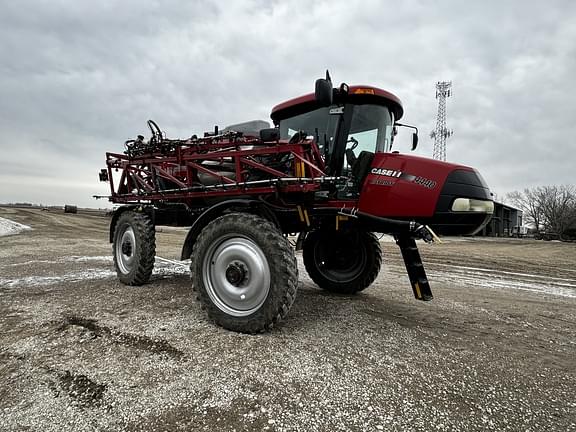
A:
340,260
125,250
236,275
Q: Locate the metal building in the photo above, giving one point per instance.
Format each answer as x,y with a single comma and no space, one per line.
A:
503,221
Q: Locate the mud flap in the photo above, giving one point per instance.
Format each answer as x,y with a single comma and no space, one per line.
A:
414,267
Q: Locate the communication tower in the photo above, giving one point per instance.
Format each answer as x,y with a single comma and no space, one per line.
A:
443,91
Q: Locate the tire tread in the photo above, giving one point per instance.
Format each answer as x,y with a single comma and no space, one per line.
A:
283,268
145,234
363,281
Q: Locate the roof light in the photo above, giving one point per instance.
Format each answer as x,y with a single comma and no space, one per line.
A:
364,91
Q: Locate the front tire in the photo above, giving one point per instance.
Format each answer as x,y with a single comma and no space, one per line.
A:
342,262
245,272
134,248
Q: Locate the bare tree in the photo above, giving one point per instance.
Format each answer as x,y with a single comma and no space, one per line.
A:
558,208
529,202
552,208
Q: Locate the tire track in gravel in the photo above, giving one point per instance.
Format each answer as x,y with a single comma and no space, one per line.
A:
141,342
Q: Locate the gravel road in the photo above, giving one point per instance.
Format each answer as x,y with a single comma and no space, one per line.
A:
495,350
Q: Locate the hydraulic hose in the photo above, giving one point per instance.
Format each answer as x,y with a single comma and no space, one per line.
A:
393,226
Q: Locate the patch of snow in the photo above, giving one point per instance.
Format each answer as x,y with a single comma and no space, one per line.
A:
34,281
162,266
67,259
498,279
493,271
26,263
168,267
9,227
185,264
104,258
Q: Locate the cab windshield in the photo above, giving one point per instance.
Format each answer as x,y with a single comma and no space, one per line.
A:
370,127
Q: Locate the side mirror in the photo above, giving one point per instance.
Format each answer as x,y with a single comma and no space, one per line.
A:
323,92
414,135
271,134
414,141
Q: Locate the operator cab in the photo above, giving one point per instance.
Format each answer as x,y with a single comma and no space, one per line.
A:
349,126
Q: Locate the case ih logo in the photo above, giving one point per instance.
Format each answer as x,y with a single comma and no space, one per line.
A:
386,172
427,183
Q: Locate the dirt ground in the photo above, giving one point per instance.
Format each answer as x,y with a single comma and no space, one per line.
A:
495,350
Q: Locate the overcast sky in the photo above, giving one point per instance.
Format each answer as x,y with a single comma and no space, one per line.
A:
78,78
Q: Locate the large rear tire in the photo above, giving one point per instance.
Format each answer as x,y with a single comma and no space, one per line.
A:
245,272
134,248
343,262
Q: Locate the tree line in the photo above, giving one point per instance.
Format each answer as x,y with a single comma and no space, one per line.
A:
549,209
